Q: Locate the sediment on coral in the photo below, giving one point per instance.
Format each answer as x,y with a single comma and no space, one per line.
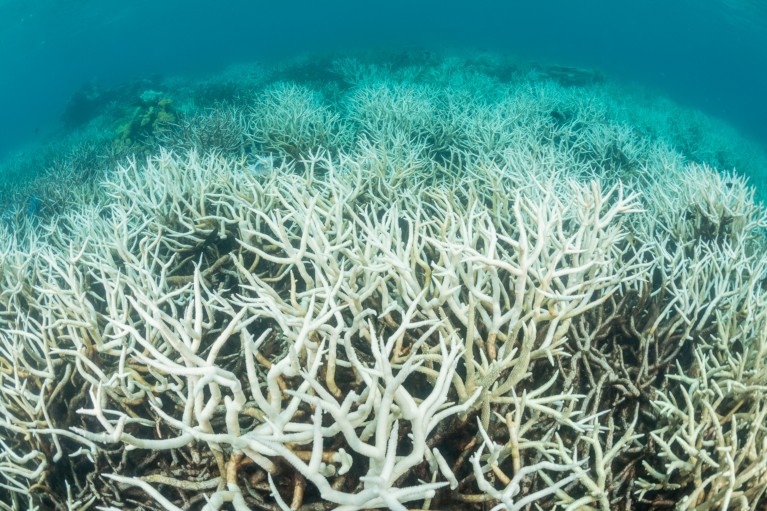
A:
500,310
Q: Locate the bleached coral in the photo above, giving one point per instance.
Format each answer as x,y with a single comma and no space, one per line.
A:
392,324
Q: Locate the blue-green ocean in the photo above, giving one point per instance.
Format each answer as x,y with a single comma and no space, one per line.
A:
710,55
405,255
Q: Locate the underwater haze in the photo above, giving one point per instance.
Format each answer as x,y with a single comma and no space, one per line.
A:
315,256
710,55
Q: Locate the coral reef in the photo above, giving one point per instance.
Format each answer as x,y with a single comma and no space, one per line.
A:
153,112
434,291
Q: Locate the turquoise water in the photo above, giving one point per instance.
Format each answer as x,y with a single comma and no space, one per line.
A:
412,256
709,55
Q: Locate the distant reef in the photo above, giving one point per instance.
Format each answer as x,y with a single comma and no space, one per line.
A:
413,281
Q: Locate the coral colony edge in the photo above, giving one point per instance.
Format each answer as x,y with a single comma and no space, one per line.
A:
422,282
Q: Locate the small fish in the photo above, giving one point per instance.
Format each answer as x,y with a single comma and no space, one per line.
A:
262,166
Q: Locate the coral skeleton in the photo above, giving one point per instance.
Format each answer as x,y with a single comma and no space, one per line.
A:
377,317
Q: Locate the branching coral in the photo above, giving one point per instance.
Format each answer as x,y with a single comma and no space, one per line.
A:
373,326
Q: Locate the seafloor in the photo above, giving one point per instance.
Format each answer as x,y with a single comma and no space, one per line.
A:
412,281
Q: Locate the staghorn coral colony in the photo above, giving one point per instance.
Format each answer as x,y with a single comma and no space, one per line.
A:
434,283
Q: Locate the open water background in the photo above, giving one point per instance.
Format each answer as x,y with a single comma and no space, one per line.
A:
711,55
